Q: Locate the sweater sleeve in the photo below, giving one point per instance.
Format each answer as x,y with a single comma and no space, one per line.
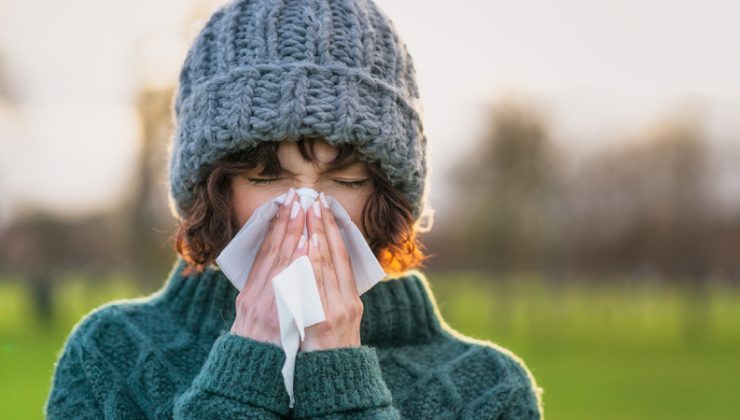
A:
240,379
343,382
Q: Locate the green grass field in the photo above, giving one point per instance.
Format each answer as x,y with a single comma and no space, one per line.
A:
610,351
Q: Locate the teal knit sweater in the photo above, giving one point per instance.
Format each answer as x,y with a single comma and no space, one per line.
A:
170,355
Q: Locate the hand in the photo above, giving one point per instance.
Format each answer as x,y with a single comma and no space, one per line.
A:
256,313
336,283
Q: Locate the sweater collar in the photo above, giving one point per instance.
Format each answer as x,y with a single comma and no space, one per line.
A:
397,310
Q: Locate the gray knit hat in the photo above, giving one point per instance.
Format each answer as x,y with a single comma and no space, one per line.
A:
270,70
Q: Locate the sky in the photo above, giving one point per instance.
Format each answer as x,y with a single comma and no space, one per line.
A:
596,67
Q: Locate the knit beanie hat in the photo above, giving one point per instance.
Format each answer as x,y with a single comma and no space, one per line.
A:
271,70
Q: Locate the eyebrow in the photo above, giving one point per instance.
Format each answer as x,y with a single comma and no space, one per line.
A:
346,165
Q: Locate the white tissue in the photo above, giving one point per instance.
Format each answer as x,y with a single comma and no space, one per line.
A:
296,294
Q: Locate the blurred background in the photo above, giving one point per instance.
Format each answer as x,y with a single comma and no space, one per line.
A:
585,161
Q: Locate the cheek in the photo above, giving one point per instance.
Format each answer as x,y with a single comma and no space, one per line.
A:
353,203
354,209
245,201
243,211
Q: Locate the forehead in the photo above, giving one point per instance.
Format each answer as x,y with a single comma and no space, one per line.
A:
290,157
288,152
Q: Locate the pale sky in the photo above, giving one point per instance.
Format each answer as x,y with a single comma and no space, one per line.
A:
597,67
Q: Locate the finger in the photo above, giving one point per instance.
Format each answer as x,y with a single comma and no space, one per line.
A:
338,250
290,241
270,246
315,258
314,255
301,249
327,264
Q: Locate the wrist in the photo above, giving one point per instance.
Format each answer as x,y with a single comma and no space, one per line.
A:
313,345
244,331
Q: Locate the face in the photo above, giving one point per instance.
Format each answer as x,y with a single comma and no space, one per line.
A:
351,186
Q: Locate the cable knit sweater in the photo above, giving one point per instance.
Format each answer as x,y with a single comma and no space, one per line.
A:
170,355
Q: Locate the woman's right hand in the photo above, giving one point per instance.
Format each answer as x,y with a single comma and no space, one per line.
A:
256,312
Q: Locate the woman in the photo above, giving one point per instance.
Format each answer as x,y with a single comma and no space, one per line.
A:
275,96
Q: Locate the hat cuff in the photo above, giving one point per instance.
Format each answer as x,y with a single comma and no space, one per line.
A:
269,102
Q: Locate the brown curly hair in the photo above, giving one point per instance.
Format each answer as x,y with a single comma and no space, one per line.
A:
210,222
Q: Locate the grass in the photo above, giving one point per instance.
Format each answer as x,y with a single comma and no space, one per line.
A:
608,351
28,348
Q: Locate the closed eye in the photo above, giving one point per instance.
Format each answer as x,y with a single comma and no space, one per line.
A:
347,184
352,184
260,181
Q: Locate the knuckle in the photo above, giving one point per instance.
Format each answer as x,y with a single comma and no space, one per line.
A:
281,260
332,221
327,261
252,313
264,250
343,255
279,219
241,301
260,253
346,315
291,236
330,323
273,248
318,228
329,218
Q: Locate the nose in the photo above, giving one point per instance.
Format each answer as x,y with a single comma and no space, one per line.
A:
314,185
304,180
306,195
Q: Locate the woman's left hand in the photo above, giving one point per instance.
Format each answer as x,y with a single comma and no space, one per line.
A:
336,283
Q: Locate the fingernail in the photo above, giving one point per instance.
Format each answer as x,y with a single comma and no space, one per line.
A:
323,200
302,241
315,239
316,209
288,199
294,210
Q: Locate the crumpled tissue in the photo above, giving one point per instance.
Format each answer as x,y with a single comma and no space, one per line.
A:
296,293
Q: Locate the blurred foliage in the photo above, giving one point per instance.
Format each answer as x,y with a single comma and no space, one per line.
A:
610,350
647,204
506,190
40,247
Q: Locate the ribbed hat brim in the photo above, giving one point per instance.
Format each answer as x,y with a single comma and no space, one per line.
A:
266,102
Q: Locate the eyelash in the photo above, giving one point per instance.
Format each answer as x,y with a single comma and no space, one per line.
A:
348,184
